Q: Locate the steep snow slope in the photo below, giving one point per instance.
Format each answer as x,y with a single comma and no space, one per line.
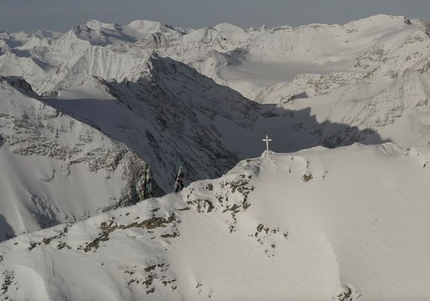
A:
167,123
343,224
55,169
171,115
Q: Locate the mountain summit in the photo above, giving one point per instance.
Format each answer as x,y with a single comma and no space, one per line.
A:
320,224
336,210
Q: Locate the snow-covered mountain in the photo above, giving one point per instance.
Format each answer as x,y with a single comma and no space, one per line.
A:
322,224
83,114
54,168
172,115
108,77
370,74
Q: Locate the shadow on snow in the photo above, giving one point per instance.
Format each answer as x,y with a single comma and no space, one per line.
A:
174,116
6,231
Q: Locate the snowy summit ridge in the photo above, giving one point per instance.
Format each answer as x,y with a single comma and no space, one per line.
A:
87,115
338,219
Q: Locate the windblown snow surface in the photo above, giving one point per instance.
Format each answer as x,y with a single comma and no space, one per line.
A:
344,224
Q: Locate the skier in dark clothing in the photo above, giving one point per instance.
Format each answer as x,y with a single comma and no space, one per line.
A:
179,185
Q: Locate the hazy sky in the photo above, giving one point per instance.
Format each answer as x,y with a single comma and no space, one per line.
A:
62,15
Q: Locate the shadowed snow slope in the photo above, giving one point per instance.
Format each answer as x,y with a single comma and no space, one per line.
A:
172,115
343,224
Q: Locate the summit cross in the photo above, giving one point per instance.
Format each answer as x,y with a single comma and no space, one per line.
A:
267,140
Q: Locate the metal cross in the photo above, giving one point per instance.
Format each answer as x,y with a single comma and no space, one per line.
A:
267,140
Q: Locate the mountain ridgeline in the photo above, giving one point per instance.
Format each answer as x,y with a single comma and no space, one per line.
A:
319,224
339,201
205,98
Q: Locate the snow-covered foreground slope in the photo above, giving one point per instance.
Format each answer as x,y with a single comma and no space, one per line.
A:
343,224
55,169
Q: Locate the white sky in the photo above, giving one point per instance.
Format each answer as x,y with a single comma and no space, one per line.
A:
62,15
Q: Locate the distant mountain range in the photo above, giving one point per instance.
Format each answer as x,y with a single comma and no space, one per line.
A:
85,114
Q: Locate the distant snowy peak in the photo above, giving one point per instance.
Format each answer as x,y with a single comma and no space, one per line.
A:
23,41
378,22
205,37
227,28
232,32
317,42
98,33
276,65
144,27
53,61
18,36
94,24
